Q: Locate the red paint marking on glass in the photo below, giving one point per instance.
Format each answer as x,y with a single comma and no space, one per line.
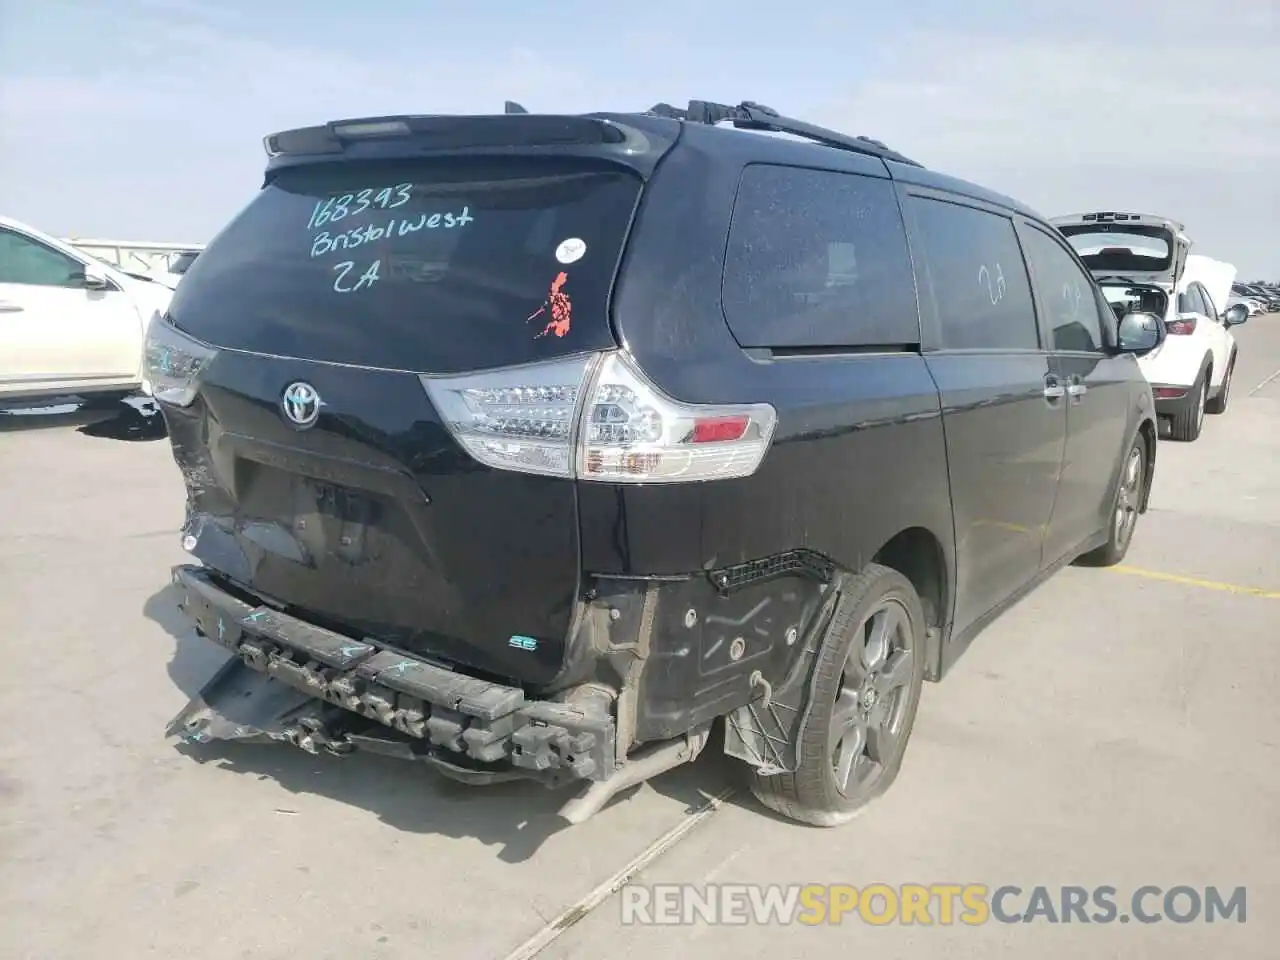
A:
560,306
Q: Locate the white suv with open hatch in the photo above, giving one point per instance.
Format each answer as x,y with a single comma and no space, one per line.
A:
1143,265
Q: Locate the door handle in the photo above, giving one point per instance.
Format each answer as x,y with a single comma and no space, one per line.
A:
6,307
1053,389
1077,390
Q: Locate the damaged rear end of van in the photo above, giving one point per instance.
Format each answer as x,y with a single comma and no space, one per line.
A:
386,383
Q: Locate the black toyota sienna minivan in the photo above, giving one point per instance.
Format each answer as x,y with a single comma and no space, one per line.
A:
533,446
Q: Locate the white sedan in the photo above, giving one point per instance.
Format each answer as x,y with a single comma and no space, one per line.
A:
70,324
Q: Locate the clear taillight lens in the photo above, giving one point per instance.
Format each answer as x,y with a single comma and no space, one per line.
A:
173,362
519,419
633,433
598,418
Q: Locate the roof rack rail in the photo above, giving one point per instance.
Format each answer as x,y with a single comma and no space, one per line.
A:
755,116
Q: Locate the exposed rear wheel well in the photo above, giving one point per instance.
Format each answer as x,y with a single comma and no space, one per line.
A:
917,555
1148,433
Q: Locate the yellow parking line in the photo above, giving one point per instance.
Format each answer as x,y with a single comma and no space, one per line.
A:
1197,582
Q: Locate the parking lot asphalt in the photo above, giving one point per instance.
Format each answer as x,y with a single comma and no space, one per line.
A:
1118,727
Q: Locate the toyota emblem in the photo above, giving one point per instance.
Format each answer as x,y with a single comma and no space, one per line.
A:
301,404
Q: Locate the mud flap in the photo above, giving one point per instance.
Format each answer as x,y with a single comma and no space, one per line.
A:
765,733
239,703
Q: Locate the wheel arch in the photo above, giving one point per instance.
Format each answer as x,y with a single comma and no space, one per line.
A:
1148,433
918,554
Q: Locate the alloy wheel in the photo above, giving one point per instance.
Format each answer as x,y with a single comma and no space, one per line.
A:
868,717
1129,499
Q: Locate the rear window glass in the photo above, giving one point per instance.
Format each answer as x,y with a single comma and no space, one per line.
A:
428,266
1124,298
818,259
1121,248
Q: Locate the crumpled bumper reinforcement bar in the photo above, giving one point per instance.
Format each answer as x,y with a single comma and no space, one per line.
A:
443,711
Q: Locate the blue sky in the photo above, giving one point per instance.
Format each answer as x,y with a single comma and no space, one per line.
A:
143,119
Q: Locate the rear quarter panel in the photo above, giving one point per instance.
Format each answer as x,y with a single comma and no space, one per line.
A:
1177,361
858,455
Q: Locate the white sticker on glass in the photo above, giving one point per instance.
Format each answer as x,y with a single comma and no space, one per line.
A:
571,250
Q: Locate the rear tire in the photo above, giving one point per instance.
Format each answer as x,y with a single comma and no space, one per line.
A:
1219,403
869,674
1124,511
1189,420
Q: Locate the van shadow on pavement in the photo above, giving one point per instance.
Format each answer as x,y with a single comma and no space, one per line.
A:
132,419
128,425
517,817
13,420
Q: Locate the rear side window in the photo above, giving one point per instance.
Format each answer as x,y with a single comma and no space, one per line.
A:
1210,308
818,259
1190,301
429,266
977,277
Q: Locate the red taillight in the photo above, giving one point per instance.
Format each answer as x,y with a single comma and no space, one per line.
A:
1182,327
1169,393
719,429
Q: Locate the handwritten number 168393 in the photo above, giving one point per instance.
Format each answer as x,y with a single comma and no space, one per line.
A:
353,204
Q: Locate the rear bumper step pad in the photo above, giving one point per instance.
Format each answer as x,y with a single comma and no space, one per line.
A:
487,722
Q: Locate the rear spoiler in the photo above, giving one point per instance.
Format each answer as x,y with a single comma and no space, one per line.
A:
637,141
517,130
446,133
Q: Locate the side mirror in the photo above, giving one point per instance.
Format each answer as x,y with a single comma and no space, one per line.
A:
94,277
1140,333
1235,315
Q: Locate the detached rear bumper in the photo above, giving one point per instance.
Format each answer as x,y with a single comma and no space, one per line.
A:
438,713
